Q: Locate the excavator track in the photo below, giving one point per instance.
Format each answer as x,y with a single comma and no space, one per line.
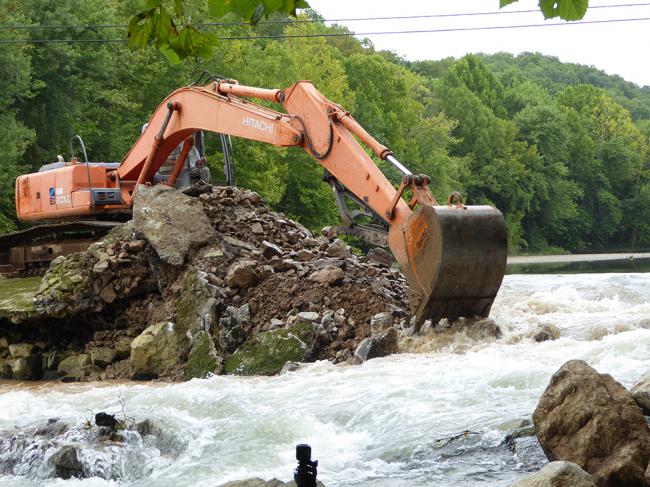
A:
29,252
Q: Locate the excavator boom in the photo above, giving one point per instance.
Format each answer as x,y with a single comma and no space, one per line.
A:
452,255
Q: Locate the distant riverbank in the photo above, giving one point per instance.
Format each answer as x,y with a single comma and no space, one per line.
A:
571,263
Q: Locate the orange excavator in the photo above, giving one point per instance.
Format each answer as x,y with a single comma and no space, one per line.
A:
452,255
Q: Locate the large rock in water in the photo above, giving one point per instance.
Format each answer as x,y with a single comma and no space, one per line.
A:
641,392
266,353
154,352
590,419
558,474
264,483
203,359
170,221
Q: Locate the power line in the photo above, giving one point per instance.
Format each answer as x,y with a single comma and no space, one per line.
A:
343,34
301,21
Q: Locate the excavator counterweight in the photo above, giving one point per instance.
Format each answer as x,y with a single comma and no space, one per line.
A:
453,255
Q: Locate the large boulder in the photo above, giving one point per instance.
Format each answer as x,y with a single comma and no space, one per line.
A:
267,352
170,221
203,358
590,419
558,474
75,367
195,308
26,368
153,352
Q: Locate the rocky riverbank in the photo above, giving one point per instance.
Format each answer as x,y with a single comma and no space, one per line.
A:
208,282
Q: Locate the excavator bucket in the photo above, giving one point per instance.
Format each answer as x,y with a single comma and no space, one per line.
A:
454,259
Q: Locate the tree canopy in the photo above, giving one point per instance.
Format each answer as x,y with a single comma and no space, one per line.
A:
562,150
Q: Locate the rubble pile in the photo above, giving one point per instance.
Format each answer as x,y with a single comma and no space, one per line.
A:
207,282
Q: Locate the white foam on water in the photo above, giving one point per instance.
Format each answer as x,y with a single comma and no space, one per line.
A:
374,424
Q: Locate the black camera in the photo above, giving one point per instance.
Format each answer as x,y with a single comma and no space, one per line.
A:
305,474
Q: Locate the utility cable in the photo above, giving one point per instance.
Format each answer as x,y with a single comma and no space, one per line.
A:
342,34
303,21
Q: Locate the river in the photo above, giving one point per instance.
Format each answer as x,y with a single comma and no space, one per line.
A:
385,423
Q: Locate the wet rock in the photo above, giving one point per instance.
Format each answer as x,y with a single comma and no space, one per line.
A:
26,368
338,249
196,307
20,350
242,274
558,474
590,419
203,358
267,352
106,420
153,352
485,328
170,221
377,346
66,463
75,367
641,392
545,333
380,256
327,275
381,321
103,356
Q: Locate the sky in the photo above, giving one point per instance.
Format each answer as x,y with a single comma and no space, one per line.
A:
616,48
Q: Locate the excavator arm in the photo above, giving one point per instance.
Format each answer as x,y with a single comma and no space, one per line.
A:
453,255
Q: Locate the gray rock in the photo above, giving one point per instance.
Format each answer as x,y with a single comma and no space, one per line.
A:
20,350
590,419
380,256
545,333
641,392
270,250
307,317
380,322
170,221
103,356
327,275
66,463
338,249
558,474
153,352
74,368
257,228
243,274
377,346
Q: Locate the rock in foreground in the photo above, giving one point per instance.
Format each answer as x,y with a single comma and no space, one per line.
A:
558,474
589,419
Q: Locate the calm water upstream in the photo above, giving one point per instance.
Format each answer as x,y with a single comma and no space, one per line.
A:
380,424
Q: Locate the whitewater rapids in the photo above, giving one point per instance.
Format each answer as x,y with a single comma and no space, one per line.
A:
384,423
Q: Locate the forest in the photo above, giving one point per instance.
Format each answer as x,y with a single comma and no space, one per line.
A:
561,149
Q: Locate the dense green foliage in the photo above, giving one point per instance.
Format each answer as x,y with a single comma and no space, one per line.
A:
561,149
